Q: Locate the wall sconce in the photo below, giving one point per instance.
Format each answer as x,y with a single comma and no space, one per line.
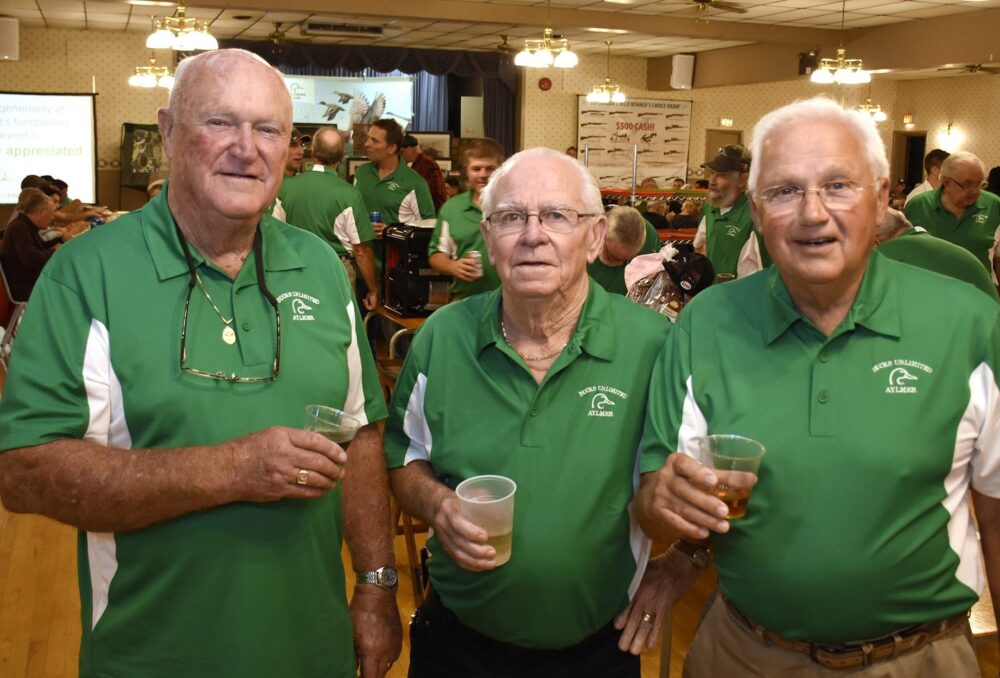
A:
725,122
950,139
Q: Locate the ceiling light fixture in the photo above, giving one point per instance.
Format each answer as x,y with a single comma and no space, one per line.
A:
607,93
840,71
180,33
549,51
874,111
151,76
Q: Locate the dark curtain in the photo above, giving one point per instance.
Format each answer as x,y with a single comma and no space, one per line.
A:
500,78
430,102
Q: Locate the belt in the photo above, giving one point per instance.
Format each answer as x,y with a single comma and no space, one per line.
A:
851,655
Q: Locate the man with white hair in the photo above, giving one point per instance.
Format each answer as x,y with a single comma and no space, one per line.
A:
858,552
960,211
557,370
156,401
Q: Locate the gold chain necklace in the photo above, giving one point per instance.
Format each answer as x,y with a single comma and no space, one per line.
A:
228,334
529,358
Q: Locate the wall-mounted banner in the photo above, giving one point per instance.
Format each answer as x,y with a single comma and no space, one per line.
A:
661,128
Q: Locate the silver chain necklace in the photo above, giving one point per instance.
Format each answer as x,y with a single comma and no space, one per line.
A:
228,334
529,358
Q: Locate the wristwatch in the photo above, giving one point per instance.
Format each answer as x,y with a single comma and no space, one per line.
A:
700,554
384,577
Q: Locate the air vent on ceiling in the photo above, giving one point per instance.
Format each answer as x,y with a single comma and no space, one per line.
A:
343,30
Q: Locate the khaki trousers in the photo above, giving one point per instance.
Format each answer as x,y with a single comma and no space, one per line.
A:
725,648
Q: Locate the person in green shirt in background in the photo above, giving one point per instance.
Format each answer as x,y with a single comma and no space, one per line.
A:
898,239
629,235
457,247
726,234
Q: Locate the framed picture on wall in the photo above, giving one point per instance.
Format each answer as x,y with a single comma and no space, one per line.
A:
142,154
445,165
353,163
435,144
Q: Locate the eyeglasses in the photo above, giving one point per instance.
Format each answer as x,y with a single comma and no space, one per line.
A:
967,187
836,195
232,378
561,220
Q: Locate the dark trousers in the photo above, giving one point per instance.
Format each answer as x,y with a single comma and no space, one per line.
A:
443,647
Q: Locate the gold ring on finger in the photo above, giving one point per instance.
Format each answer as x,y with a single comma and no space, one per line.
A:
648,618
303,478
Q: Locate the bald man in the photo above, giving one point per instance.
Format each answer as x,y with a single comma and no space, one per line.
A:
157,403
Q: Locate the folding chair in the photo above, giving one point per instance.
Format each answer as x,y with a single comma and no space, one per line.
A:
11,310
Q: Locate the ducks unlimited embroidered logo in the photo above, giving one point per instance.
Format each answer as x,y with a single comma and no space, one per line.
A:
602,400
903,376
302,305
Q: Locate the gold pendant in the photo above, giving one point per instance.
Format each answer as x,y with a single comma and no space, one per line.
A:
228,335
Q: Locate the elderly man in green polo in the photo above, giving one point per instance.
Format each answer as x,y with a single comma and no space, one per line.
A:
543,381
725,233
858,553
960,211
156,401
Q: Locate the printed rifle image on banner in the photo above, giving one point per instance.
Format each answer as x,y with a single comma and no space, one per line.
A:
660,128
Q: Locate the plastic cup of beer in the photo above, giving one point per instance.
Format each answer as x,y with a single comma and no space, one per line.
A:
732,456
488,501
332,423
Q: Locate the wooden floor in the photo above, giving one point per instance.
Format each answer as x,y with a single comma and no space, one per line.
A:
40,610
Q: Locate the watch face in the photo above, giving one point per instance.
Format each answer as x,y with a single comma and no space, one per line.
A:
387,577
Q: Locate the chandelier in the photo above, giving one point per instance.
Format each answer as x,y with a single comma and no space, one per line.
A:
548,51
840,71
608,93
874,111
180,33
151,76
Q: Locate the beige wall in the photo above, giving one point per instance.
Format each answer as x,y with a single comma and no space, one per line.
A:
65,61
970,103
55,60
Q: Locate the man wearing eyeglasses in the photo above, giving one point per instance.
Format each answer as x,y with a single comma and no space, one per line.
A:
543,381
960,212
156,401
858,552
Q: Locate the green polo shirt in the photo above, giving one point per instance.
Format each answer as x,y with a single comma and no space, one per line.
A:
859,523
466,403
402,196
220,592
726,234
456,233
319,201
919,248
976,230
612,278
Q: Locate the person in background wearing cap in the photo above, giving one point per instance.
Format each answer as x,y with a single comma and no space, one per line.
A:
425,166
725,231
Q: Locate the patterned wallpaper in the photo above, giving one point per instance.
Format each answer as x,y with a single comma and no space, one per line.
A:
62,60
970,103
70,61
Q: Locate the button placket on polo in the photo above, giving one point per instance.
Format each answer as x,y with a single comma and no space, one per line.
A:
822,421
